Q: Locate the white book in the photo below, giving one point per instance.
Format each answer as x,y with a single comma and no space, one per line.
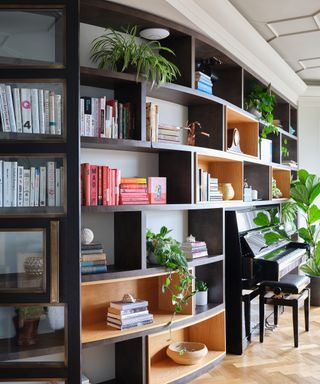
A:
82,130
7,183
1,183
20,187
12,117
87,124
46,111
32,180
4,109
61,186
26,187
35,110
58,114
52,114
58,187
43,186
42,123
51,185
17,108
14,183
109,122
94,122
36,187
26,110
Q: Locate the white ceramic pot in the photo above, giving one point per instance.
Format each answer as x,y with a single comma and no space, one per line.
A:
202,298
56,317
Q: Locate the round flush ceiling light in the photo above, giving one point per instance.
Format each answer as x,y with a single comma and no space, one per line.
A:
154,33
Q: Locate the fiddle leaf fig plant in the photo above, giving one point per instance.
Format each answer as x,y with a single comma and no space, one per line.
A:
121,51
169,254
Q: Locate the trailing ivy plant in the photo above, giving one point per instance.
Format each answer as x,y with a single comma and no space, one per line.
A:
168,253
121,51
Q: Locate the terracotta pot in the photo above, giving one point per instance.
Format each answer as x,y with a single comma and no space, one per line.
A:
227,191
28,333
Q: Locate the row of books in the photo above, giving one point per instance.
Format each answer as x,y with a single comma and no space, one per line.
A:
207,187
193,250
158,132
203,82
124,315
93,259
22,186
102,185
30,110
104,118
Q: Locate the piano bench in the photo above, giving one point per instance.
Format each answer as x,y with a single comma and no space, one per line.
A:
290,291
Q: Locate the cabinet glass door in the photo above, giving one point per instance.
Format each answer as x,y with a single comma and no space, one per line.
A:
32,37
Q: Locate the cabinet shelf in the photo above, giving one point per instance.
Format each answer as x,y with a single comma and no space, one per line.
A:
32,211
116,144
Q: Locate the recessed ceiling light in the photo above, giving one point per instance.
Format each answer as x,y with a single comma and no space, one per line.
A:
154,33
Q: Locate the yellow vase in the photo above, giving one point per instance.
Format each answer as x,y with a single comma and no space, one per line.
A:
227,191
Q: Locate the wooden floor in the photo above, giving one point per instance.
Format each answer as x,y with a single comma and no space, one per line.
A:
275,361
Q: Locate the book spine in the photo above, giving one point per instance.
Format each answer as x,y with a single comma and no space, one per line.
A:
1,183
92,263
86,190
51,184
97,117
100,185
26,187
36,187
94,269
42,123
58,114
14,183
26,110
117,185
93,185
102,116
20,186
62,182
108,122
35,110
32,181
82,131
93,118
120,135
43,186
12,117
6,127
46,111
52,113
58,187
7,183
105,186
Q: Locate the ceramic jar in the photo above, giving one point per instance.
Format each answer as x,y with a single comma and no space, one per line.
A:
227,191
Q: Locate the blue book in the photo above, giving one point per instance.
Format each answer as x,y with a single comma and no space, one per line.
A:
207,92
205,89
205,82
91,263
95,269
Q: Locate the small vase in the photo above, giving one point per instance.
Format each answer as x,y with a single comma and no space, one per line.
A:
33,265
27,334
56,317
255,112
202,298
227,191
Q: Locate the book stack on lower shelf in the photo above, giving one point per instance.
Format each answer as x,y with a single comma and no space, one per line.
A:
203,82
133,190
93,259
208,187
194,249
126,315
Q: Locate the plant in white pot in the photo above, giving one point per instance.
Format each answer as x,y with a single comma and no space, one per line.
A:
202,292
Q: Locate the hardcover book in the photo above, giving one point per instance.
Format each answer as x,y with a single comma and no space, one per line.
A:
157,190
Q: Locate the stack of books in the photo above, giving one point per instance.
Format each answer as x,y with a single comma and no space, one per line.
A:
195,249
203,82
134,190
30,110
123,315
169,134
214,194
93,259
109,119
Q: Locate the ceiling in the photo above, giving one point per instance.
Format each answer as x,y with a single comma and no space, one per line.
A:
292,28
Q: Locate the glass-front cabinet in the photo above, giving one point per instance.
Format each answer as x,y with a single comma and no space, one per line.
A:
39,207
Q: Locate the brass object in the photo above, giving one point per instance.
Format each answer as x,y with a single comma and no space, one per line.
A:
54,289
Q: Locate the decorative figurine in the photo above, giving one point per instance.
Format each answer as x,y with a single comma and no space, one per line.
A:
194,128
234,140
87,236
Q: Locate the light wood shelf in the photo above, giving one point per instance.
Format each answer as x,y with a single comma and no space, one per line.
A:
283,178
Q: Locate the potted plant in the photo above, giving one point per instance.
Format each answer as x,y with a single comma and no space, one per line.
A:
26,324
124,51
202,292
166,251
303,193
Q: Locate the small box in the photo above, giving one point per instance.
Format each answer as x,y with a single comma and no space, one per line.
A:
266,150
157,190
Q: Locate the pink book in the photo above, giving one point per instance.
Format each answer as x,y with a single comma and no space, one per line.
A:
157,190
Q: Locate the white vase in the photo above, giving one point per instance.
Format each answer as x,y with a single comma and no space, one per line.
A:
202,298
56,317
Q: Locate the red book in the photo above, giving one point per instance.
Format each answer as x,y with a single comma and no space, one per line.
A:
93,185
133,195
112,186
133,186
105,186
85,175
99,185
133,190
117,185
143,202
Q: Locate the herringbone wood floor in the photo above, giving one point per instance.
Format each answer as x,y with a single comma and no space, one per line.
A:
275,361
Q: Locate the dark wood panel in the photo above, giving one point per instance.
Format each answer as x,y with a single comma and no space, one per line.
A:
213,275
258,177
281,112
230,85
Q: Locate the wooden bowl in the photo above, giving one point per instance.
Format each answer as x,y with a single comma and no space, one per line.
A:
187,353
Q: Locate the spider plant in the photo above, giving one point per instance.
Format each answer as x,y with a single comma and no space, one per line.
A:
121,51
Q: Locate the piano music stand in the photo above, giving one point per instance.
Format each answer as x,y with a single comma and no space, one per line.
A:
288,292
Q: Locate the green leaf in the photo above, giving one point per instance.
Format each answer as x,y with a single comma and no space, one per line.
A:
305,235
271,237
300,194
261,219
311,182
314,194
313,214
302,175
317,254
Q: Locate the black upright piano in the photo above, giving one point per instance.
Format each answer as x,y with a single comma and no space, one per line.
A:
248,261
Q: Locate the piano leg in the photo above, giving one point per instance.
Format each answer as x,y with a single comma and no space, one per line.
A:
247,316
295,323
261,314
275,314
307,310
